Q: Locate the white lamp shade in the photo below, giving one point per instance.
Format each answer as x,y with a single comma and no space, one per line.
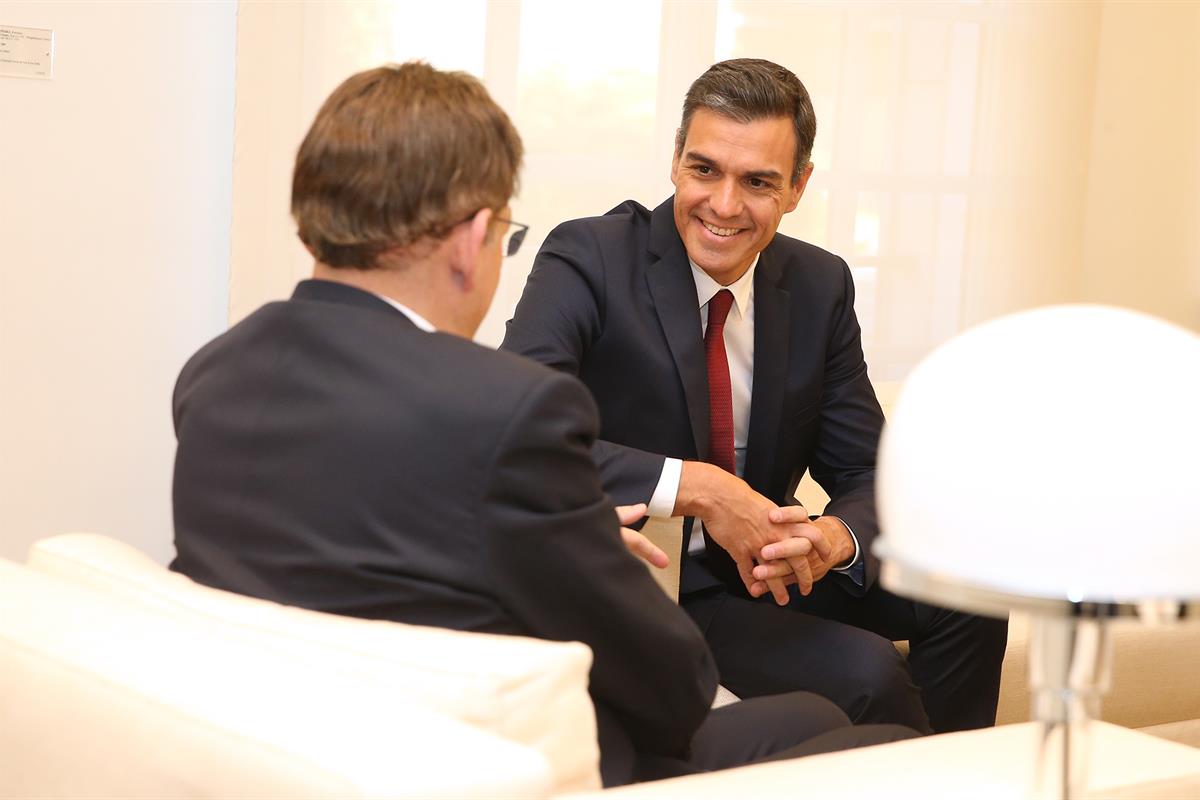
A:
1053,453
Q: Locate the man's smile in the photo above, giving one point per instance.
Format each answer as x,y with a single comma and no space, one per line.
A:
720,231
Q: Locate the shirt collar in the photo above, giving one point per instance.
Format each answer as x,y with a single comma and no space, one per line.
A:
416,318
741,289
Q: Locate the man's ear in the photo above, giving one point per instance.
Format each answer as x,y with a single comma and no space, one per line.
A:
466,242
675,158
799,186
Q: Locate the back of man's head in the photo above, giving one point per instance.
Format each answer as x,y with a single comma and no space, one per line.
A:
748,89
398,154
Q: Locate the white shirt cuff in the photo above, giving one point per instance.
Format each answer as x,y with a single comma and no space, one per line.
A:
662,502
854,560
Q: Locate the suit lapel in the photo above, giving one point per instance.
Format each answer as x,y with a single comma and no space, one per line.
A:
673,292
772,336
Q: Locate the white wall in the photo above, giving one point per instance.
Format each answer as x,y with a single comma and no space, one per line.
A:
1142,231
972,159
114,259
1024,242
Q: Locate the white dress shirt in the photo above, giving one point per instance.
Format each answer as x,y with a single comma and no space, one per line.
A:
739,350
416,318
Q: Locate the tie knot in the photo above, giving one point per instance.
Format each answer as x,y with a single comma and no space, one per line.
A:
718,307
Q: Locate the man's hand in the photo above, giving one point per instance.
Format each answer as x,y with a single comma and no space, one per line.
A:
737,518
638,544
824,535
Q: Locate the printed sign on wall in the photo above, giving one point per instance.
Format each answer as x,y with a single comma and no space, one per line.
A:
26,52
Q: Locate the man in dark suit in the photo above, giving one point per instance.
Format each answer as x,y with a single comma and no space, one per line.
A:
351,450
726,359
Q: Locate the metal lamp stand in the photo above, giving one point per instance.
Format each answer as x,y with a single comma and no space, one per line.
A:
1070,658
1070,662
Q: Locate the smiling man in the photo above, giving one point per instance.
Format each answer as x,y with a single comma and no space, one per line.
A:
726,359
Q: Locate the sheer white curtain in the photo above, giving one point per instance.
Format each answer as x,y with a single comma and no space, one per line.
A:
971,159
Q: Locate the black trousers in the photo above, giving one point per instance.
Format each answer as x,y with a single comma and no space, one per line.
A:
840,647
771,728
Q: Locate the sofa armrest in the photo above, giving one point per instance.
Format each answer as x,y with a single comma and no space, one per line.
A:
102,698
529,691
987,763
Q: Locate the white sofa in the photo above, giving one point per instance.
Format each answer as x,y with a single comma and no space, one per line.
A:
182,687
121,679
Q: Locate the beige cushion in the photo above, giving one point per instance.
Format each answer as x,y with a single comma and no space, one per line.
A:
1015,703
1153,674
526,690
102,697
667,534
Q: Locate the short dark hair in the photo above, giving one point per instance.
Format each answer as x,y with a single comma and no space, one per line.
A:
748,89
397,154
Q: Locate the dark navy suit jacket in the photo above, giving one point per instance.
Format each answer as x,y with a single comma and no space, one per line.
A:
612,300
334,456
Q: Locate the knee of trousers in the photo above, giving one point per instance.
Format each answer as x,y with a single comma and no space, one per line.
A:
879,686
805,713
764,726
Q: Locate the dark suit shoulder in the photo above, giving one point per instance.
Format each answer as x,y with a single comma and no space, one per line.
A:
374,354
210,352
513,374
796,250
622,219
812,272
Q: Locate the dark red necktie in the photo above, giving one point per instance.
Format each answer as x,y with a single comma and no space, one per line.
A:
720,396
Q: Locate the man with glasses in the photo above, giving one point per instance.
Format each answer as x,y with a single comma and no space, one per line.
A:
351,450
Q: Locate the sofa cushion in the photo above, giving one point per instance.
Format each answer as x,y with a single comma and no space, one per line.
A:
530,691
103,697
1153,674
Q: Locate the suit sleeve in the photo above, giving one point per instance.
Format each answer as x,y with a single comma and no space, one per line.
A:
558,565
851,423
560,314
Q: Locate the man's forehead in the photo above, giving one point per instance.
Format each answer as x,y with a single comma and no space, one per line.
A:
763,145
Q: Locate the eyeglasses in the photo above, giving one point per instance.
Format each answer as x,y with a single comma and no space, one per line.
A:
513,237
510,243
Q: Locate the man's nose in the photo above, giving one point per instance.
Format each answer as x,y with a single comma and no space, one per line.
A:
726,199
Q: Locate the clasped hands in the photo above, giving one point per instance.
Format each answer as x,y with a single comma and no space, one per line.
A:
772,546
809,550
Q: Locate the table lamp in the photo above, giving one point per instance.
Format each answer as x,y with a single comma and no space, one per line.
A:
996,492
